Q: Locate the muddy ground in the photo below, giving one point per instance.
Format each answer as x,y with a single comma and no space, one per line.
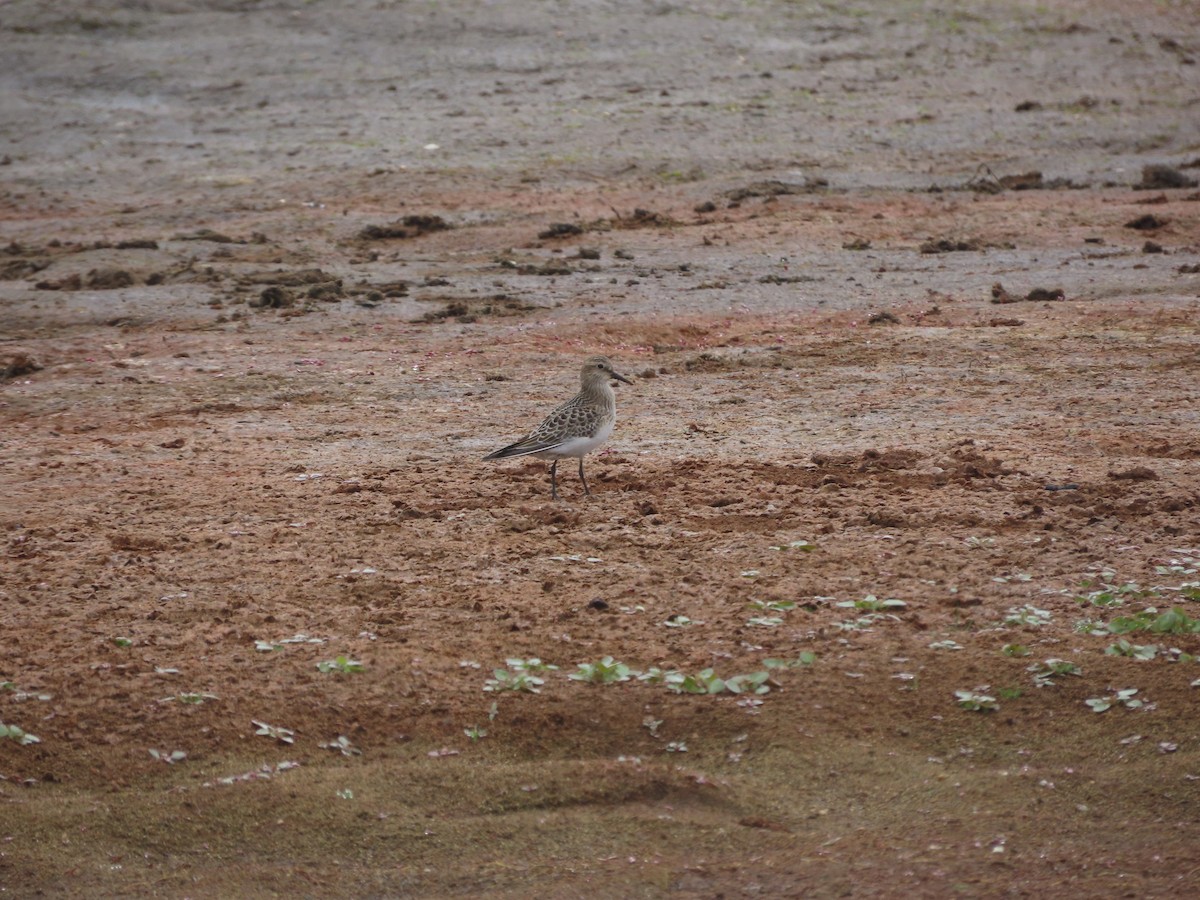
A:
908,319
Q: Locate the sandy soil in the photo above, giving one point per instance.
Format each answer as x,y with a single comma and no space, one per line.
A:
275,277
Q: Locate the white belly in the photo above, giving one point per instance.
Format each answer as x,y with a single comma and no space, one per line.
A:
580,445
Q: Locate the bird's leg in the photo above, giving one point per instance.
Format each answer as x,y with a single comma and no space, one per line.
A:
581,478
554,480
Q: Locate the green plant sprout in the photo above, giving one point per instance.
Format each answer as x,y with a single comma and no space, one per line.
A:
266,646
532,664
679,621
864,623
871,603
773,605
750,683
1110,595
1135,651
706,681
945,645
1016,576
20,696
1173,621
342,745
169,758
1188,563
13,733
1045,672
504,680
519,676
475,733
655,675
606,671
804,658
1015,650
275,732
1027,615
976,701
765,621
342,664
1123,697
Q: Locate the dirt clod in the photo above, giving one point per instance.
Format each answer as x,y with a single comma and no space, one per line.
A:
410,226
1135,473
948,245
560,230
274,297
1159,177
1046,295
15,363
108,279
204,234
1148,222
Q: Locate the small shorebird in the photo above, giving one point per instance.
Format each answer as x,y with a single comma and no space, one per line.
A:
577,427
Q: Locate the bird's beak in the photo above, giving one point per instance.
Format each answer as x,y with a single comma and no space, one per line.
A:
621,378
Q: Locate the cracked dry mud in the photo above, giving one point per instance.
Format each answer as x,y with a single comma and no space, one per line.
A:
275,278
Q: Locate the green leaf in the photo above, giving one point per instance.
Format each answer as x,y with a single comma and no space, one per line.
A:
765,621
976,702
945,645
804,658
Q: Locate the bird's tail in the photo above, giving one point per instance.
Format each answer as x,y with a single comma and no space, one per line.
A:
520,448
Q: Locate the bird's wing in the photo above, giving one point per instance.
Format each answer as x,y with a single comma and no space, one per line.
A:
555,430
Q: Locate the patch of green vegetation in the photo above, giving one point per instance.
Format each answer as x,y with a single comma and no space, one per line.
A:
1136,651
342,664
1044,673
975,701
871,603
706,681
1172,621
523,675
22,737
1028,616
605,671
1124,697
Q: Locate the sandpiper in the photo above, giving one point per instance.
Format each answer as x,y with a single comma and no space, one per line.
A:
577,427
